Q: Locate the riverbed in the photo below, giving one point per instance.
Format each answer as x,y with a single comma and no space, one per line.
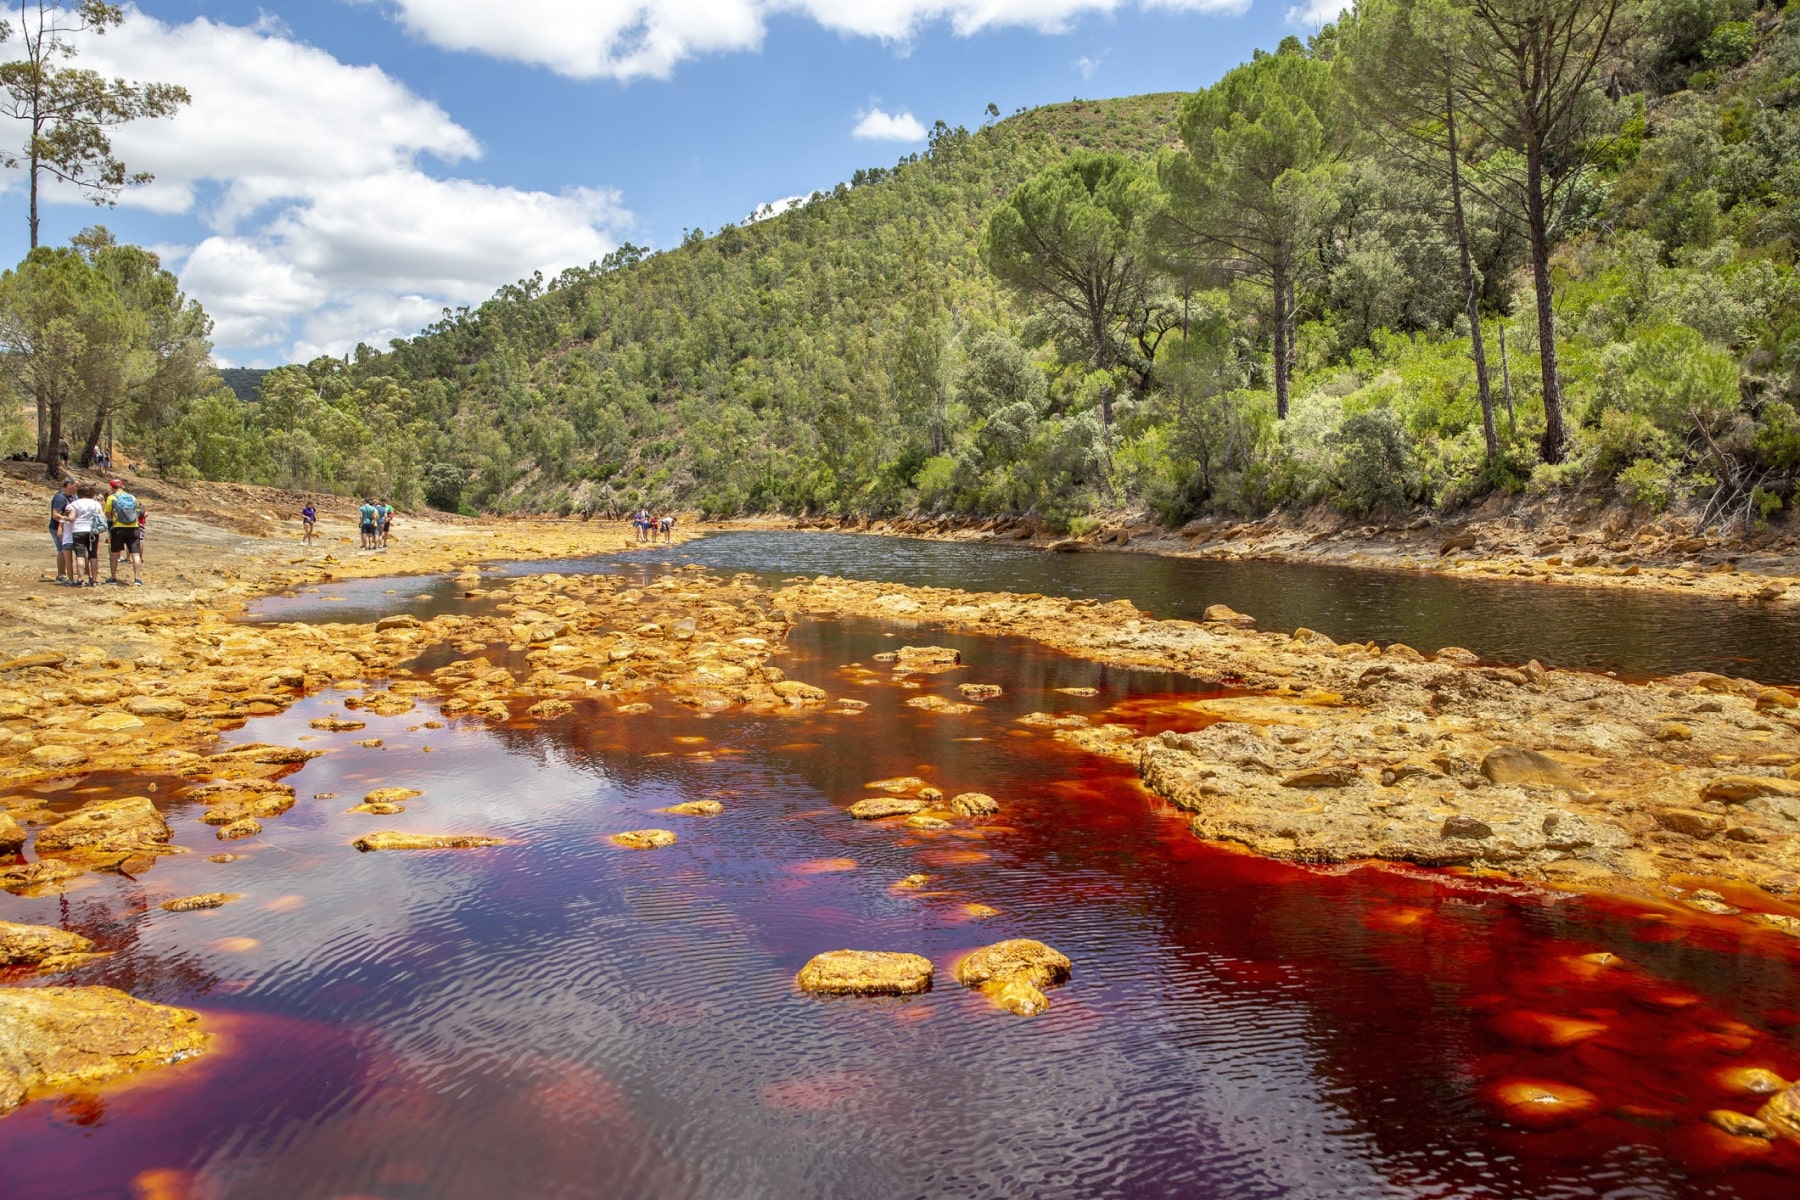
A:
560,1017
1638,634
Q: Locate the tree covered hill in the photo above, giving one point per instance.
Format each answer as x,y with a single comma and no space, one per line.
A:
1317,280
759,368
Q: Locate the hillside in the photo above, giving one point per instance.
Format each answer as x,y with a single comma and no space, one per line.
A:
858,355
748,370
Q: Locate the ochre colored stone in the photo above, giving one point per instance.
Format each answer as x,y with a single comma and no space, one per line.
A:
1539,1104
1016,957
113,722
1513,764
926,821
1332,776
388,839
107,826
1782,1112
195,903
1750,1081
875,809
56,1038
793,691
902,783
694,808
865,973
974,804
938,704
391,795
1738,1124
644,839
243,827
1736,789
32,944
979,691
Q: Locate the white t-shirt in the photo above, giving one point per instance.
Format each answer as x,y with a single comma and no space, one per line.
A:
88,515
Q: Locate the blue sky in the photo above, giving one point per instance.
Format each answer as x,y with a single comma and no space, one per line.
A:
350,167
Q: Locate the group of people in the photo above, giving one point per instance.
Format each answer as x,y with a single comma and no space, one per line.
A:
80,521
377,524
648,525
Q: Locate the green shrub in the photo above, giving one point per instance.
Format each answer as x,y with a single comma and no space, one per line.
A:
1083,525
1375,466
1651,482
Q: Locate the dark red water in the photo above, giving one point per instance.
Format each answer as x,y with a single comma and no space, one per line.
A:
562,1018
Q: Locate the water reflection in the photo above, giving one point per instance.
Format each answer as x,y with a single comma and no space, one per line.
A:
557,1016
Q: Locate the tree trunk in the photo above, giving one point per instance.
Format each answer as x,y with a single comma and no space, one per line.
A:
43,423
1280,288
53,466
93,437
1537,218
1471,296
1512,423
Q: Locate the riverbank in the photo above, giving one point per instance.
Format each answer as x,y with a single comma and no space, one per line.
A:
1565,543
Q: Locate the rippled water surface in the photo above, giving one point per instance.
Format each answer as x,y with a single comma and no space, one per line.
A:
1634,633
562,1018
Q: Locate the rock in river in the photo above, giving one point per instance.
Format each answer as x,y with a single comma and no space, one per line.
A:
108,827
388,839
1014,973
62,1037
195,903
32,944
1782,1112
881,806
865,973
974,804
644,839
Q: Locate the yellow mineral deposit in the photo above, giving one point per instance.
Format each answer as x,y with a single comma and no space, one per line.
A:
1014,973
865,973
644,839
694,808
389,839
1542,1104
195,903
78,1037
885,806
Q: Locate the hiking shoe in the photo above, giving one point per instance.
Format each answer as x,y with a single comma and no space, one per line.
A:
137,583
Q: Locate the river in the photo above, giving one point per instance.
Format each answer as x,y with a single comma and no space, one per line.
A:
560,1018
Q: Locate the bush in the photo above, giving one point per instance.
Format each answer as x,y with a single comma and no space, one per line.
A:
1375,467
1083,525
1729,45
1651,482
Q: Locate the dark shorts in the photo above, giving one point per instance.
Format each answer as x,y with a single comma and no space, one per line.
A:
125,539
87,545
367,528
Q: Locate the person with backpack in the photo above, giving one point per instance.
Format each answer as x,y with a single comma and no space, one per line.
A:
125,519
85,518
59,533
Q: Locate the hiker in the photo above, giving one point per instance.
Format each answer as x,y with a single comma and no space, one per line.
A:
367,516
640,521
59,532
309,517
385,521
85,518
124,518
667,525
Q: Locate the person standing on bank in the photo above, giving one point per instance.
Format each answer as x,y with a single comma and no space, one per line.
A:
124,516
59,533
86,520
309,517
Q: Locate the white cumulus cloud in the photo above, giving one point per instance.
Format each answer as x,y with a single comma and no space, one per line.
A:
632,39
878,126
325,226
1314,13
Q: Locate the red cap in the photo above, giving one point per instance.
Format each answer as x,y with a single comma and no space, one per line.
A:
114,483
